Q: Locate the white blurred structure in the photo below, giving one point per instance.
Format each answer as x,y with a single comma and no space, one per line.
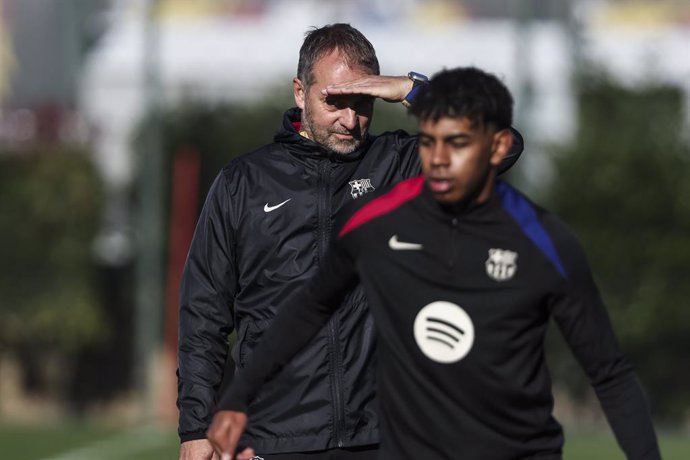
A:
241,56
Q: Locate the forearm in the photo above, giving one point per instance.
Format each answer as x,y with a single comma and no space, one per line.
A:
201,363
623,401
195,404
388,88
205,315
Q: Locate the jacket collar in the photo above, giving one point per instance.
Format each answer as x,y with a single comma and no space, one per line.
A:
299,145
460,210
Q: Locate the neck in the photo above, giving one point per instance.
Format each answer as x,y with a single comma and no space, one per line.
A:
485,192
478,197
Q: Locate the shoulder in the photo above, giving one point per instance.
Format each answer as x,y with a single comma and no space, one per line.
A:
265,153
568,246
358,214
546,230
243,168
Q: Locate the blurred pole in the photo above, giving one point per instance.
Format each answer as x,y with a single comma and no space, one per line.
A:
71,54
524,94
523,91
184,201
574,19
149,265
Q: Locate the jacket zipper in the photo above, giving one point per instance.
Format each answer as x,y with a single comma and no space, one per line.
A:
453,242
324,231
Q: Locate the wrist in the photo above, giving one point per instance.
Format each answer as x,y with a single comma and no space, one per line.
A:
193,436
418,80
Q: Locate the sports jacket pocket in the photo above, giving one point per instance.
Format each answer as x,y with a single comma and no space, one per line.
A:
249,335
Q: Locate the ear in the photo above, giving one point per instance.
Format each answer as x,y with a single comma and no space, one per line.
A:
299,92
502,143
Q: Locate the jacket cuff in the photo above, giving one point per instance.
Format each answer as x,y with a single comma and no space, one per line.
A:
192,436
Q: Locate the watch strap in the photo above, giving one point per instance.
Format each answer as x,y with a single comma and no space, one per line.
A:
418,80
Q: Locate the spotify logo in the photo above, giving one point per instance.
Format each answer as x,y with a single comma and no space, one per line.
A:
444,332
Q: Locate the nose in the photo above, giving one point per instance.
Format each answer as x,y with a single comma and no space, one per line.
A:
348,118
439,155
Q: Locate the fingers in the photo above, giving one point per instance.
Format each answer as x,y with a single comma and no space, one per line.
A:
221,436
246,454
225,431
197,449
356,87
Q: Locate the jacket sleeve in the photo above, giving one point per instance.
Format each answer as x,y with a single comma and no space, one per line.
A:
206,295
302,316
410,165
585,324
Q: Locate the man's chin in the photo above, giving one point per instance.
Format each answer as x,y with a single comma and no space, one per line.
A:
344,147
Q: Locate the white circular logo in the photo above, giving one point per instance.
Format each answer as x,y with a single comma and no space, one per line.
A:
444,332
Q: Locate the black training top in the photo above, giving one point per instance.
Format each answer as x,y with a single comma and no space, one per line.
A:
461,299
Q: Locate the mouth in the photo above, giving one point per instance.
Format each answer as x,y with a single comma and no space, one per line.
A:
439,185
344,136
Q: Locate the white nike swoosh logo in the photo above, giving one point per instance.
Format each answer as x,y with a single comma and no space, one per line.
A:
268,208
397,245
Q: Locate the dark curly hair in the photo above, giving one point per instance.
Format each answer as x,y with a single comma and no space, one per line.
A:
465,92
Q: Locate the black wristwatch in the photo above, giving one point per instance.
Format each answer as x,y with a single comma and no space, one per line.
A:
417,81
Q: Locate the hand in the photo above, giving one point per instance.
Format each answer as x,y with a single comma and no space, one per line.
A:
199,449
390,89
224,434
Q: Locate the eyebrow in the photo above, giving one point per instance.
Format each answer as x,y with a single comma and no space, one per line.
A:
452,137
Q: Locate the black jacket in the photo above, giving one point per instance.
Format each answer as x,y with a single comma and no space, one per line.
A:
264,228
462,298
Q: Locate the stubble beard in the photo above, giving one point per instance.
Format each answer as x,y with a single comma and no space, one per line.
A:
326,138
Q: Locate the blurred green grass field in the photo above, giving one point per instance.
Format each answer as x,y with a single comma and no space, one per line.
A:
82,442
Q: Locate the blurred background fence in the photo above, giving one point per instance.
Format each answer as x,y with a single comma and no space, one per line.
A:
116,115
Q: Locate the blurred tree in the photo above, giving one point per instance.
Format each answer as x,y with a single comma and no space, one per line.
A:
217,132
49,211
389,117
624,187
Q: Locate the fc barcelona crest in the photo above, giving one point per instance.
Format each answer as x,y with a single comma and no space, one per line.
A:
501,264
360,186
